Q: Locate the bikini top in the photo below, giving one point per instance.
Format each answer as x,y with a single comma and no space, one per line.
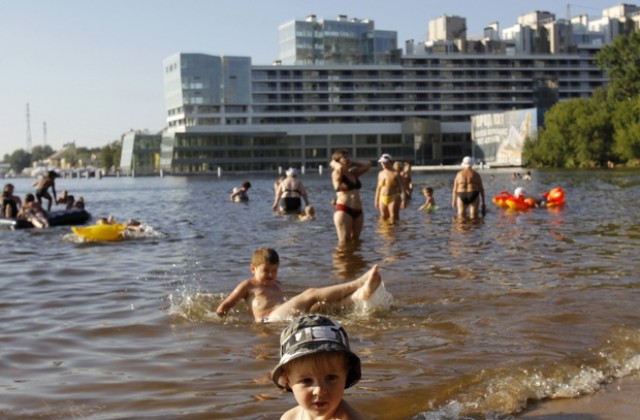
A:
350,185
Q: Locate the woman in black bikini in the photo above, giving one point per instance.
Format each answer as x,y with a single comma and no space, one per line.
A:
348,216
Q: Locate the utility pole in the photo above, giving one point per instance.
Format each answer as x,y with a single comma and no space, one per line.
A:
44,134
28,130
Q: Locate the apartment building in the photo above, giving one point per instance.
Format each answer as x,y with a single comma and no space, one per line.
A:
224,112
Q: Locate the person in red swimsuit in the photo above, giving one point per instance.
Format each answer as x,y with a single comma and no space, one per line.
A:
348,217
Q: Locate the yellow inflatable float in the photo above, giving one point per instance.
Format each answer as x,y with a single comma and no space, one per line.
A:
103,232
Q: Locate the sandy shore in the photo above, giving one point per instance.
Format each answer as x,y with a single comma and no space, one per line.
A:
619,400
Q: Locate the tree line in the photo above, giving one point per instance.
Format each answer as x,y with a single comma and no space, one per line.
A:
601,130
104,157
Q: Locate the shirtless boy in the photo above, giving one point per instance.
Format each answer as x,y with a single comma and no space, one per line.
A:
266,300
42,188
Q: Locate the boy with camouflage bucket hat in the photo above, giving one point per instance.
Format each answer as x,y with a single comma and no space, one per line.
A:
317,365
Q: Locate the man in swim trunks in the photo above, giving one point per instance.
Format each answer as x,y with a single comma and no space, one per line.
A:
348,217
42,188
389,193
267,302
468,190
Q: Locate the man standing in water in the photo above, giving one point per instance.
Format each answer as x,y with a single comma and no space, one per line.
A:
468,190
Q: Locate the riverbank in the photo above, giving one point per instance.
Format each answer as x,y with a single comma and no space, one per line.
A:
619,400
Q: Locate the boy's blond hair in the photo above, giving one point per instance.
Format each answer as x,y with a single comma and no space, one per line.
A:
265,255
315,362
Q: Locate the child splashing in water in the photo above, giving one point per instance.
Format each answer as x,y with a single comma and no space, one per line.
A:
266,300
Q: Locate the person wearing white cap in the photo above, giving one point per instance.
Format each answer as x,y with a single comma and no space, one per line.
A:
290,193
348,217
389,195
468,191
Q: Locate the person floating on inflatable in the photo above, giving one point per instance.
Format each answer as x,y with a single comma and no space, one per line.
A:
107,230
520,202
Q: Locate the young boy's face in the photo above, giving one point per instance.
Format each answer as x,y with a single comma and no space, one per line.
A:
319,389
265,274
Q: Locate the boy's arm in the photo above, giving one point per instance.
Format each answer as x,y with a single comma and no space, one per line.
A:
240,292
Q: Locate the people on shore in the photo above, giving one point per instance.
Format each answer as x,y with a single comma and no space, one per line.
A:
32,211
430,202
290,193
468,191
11,203
42,188
390,190
317,365
266,300
345,178
239,194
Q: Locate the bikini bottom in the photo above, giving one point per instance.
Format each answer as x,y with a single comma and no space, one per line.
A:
388,199
351,212
468,197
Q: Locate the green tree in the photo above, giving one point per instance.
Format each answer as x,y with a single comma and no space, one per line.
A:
40,152
110,154
85,154
19,160
621,61
577,133
626,121
106,157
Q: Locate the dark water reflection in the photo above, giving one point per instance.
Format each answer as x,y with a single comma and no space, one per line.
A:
485,316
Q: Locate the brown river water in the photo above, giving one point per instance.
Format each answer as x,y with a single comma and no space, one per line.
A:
476,319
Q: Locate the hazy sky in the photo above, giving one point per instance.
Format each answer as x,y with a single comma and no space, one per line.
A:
92,69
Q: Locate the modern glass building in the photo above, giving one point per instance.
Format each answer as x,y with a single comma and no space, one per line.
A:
224,112
140,153
341,41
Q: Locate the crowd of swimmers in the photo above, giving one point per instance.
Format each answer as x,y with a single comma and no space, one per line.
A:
31,208
316,361
393,192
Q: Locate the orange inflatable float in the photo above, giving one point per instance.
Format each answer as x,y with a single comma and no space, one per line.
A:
519,201
500,200
555,197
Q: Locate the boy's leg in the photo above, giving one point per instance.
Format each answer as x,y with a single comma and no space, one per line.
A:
359,289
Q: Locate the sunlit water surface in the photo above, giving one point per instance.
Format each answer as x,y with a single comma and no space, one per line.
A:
476,319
